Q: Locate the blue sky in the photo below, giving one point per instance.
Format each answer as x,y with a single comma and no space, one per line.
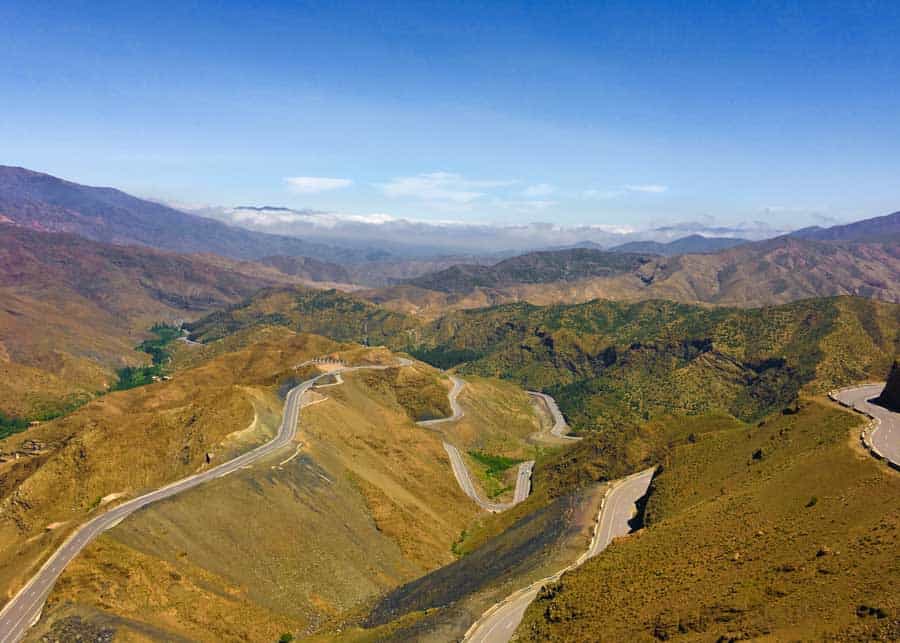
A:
619,113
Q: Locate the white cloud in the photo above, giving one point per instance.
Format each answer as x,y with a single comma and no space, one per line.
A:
438,187
541,189
615,193
266,217
601,194
314,184
612,228
531,205
648,188
280,216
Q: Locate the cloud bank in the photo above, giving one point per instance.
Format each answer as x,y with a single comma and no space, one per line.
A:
411,237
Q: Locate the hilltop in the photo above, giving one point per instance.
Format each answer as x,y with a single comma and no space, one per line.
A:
879,229
532,268
691,244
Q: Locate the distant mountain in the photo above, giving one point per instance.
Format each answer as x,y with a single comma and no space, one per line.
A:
875,229
692,244
532,268
776,271
72,310
43,202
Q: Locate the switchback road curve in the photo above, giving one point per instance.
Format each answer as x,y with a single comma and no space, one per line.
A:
24,609
458,464
884,438
559,429
499,623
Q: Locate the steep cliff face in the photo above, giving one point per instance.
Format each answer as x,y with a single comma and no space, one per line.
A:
890,397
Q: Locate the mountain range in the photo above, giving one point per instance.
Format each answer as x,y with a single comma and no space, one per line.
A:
708,362
44,202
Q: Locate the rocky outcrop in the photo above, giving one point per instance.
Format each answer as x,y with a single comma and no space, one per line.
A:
890,396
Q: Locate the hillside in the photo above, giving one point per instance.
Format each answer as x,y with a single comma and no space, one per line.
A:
327,312
58,473
875,229
308,269
73,310
692,244
43,202
780,530
531,268
753,274
613,364
374,494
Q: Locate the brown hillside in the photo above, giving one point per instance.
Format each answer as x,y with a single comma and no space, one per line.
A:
305,540
758,274
56,475
74,309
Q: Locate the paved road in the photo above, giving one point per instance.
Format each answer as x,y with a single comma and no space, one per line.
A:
499,623
560,429
24,609
457,410
458,463
461,472
886,435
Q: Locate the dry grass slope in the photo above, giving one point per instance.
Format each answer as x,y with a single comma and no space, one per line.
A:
780,530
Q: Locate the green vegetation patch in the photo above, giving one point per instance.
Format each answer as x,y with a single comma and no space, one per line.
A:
492,472
11,424
494,465
43,411
134,376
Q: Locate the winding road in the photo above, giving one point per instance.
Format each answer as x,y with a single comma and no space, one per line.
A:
559,429
499,623
24,609
458,463
885,436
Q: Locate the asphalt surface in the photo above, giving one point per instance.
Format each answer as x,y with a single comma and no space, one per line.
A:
457,412
886,435
560,428
499,623
24,609
458,463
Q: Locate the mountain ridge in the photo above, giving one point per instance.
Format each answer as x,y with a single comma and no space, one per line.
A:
45,202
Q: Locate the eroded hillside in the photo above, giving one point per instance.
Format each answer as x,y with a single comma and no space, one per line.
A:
74,310
364,502
55,476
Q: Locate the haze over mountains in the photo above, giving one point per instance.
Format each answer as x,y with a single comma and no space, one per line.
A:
409,237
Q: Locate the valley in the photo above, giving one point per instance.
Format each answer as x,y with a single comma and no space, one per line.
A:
449,322
259,445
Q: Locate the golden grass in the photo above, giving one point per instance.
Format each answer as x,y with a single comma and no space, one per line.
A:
780,531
